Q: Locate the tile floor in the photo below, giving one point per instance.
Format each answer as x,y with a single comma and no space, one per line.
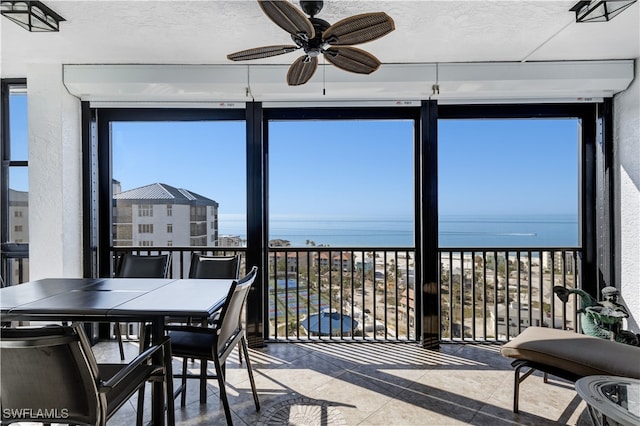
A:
372,384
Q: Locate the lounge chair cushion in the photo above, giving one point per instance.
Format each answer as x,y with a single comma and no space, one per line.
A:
575,353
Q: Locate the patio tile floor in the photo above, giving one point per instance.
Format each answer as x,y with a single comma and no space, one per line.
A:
372,384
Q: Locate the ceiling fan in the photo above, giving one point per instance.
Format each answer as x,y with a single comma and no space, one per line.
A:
316,36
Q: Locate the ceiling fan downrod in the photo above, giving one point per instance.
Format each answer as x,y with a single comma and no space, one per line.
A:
311,8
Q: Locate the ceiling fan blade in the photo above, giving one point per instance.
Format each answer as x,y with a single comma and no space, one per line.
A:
302,70
288,17
352,59
262,52
359,29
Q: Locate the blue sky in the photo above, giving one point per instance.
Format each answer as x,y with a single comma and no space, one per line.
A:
207,158
362,168
351,168
18,126
508,166
341,168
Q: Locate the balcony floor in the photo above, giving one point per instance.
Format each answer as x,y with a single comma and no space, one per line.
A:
372,384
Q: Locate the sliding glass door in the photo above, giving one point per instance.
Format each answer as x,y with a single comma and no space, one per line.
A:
14,184
177,181
341,226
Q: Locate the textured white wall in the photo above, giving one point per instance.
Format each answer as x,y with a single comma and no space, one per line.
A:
627,153
55,175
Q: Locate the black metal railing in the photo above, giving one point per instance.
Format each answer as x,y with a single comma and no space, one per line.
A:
341,293
180,256
364,293
485,294
14,263
494,294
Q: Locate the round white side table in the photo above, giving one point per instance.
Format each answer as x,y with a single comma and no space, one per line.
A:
611,400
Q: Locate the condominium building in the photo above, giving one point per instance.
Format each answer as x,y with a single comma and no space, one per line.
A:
17,244
162,215
559,261
18,216
231,241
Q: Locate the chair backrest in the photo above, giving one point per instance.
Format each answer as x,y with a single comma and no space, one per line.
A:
229,325
214,266
49,374
139,266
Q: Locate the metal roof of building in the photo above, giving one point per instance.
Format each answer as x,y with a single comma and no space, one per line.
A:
18,198
163,192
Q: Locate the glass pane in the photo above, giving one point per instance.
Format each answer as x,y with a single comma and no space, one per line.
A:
508,183
18,271
179,183
341,229
18,205
341,183
19,178
18,124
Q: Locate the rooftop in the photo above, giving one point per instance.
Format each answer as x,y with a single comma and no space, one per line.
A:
162,191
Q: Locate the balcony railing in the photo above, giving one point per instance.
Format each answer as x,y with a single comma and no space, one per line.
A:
494,294
364,293
485,294
180,256
346,293
14,263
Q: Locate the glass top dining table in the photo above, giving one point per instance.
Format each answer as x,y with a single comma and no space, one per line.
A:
115,299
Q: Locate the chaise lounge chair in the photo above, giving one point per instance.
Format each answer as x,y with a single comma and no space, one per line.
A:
568,355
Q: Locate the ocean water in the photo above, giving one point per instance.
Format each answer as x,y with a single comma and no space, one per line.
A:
508,231
454,230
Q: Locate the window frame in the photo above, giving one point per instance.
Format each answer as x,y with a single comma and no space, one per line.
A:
427,114
9,251
101,151
591,116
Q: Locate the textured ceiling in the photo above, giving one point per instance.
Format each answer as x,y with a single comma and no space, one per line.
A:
204,32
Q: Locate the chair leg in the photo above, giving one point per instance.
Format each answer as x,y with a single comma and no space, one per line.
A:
119,338
145,337
140,409
223,391
241,349
168,386
516,389
183,397
103,416
519,379
203,381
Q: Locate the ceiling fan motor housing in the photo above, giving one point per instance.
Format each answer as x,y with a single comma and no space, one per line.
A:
314,46
311,8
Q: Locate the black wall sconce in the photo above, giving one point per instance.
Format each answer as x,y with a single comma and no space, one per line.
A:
599,10
31,15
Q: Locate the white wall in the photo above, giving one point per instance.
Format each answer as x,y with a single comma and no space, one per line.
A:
55,175
180,218
627,198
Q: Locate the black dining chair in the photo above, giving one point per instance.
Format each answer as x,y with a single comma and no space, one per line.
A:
50,374
208,267
143,266
139,266
212,267
215,343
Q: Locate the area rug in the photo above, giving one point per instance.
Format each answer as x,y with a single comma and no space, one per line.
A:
302,411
